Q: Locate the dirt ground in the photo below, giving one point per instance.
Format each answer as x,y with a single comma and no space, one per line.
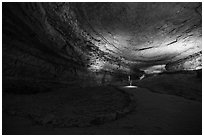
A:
154,113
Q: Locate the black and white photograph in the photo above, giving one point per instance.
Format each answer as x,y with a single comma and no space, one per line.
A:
101,68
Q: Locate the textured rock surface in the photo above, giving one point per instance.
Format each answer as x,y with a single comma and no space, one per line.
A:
70,42
70,107
145,34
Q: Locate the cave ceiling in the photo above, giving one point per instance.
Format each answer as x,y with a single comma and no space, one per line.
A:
145,34
114,36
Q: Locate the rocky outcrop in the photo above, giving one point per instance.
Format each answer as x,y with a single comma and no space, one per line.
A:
192,62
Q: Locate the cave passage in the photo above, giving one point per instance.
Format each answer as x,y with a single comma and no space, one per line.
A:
102,68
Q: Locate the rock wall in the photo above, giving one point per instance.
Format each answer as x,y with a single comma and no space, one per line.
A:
42,44
193,62
72,43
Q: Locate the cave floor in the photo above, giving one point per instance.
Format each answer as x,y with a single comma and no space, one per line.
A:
154,113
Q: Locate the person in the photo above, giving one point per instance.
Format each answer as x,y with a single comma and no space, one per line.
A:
130,81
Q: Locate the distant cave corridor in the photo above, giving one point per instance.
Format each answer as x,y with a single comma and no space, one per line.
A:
49,46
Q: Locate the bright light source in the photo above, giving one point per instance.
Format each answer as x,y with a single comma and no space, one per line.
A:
130,87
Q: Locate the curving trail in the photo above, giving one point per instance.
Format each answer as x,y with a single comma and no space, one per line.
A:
154,114
162,114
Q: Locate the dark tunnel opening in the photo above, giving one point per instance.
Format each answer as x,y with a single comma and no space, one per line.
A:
114,68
